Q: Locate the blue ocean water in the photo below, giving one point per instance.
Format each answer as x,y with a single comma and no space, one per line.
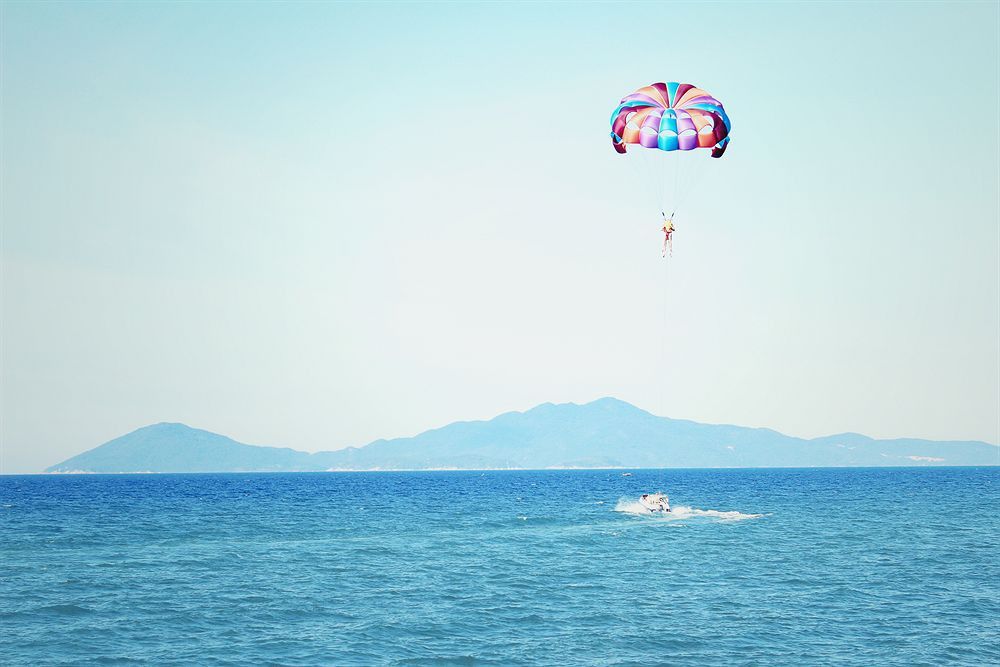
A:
770,567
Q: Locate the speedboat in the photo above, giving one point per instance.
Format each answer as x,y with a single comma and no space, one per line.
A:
655,502
626,474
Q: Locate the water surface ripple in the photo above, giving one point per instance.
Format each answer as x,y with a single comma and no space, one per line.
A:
770,567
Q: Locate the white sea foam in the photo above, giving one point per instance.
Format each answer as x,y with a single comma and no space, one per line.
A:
629,506
678,512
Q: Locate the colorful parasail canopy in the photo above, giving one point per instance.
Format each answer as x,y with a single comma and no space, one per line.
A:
670,116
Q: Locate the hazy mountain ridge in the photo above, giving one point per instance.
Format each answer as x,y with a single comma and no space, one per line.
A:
605,433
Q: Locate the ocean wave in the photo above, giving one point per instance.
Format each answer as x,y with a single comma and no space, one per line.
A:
64,610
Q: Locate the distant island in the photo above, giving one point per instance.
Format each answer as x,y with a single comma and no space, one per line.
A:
606,433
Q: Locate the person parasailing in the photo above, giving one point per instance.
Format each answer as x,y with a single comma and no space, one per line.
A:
668,234
667,118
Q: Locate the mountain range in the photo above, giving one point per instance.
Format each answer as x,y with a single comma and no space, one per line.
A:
606,433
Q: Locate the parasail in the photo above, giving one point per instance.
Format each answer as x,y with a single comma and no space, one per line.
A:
670,117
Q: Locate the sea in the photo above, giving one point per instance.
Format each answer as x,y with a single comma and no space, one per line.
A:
876,566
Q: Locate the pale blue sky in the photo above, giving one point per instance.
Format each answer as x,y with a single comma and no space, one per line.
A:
318,224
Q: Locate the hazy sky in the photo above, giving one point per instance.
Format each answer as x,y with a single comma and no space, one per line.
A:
314,225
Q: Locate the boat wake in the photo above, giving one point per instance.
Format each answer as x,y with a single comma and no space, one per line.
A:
679,512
